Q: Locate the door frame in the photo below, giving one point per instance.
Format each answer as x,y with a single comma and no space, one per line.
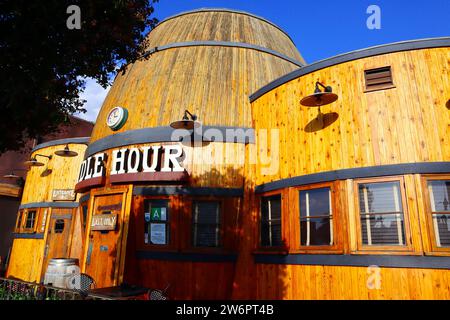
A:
127,192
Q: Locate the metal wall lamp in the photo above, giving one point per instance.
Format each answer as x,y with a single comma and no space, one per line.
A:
187,123
66,152
33,161
319,98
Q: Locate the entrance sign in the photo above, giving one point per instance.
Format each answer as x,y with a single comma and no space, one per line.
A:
63,195
104,222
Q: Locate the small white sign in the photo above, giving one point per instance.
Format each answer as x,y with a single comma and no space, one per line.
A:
158,233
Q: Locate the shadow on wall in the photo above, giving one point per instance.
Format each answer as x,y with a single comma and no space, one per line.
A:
210,274
321,121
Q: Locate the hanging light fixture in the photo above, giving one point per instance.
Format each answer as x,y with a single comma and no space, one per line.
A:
319,98
66,152
33,162
187,123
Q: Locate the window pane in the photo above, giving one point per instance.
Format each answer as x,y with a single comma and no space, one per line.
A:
85,212
315,217
271,221
382,230
30,219
380,197
19,220
156,217
318,204
439,195
59,226
206,224
318,231
442,225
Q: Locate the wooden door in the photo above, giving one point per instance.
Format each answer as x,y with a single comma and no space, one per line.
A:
103,253
59,235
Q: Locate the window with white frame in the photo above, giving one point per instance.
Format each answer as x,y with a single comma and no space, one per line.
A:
439,193
271,221
381,214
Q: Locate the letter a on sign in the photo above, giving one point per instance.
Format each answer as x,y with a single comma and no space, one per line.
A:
74,20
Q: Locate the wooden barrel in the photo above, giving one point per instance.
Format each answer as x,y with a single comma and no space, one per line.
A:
336,175
59,271
48,217
206,62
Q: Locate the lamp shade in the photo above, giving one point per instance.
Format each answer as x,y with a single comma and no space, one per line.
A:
319,99
66,152
33,163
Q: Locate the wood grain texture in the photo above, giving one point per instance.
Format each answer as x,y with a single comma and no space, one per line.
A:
10,190
26,259
212,82
223,26
405,124
350,283
57,173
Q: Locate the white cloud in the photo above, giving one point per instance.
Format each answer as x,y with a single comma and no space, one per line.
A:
94,94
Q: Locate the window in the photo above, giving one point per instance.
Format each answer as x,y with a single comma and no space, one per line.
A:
19,221
378,79
271,221
156,222
206,224
316,220
381,214
439,194
30,220
84,212
59,226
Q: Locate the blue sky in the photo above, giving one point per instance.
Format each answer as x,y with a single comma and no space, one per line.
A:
320,29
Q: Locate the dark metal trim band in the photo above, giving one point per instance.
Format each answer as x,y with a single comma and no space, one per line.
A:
84,198
188,257
224,44
354,55
355,173
190,191
81,140
163,134
388,261
64,205
28,235
224,10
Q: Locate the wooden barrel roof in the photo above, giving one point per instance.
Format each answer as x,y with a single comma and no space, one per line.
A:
207,61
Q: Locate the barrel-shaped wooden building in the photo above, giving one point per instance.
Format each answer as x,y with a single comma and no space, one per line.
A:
49,222
350,200
222,166
166,213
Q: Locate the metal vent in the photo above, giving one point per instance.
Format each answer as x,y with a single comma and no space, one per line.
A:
378,79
